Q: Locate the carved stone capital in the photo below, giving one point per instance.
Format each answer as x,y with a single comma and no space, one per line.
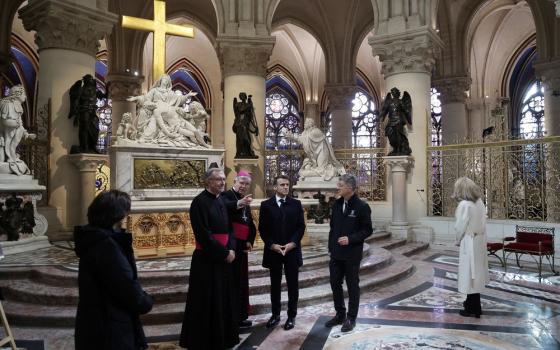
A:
409,52
122,86
244,55
87,163
452,89
340,95
399,164
63,24
549,73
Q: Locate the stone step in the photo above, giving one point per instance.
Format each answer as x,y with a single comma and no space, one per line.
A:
36,315
65,277
378,236
411,248
30,291
389,244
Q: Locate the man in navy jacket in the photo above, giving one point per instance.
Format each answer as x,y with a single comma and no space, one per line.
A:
281,226
350,226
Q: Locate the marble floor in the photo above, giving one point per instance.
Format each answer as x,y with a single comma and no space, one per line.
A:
420,311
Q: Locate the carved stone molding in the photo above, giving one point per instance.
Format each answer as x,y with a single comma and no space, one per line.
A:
399,164
244,55
453,89
409,52
61,24
557,3
88,163
122,86
340,95
549,73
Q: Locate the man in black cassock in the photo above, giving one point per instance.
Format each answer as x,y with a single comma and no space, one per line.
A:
210,319
282,225
350,226
238,201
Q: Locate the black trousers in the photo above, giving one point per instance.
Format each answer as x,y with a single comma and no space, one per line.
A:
291,270
241,271
339,269
472,304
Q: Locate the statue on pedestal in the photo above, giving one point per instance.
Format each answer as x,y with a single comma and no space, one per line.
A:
400,114
319,156
244,125
163,121
83,108
12,132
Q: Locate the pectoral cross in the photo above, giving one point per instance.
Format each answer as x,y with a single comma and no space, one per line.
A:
159,27
244,217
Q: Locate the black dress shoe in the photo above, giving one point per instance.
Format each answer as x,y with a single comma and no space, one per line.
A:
348,325
245,324
290,323
336,320
464,313
273,321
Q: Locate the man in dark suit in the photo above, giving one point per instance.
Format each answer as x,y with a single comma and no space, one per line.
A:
238,202
281,226
350,226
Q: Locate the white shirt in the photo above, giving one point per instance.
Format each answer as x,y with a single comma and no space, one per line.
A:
278,200
344,206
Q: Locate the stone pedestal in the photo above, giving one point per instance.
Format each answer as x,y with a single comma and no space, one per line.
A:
306,189
400,166
87,165
29,190
249,165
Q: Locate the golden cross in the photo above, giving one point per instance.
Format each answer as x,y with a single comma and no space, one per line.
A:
159,27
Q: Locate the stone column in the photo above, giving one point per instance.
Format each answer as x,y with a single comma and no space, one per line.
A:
120,87
68,34
455,126
312,110
476,108
87,165
400,166
549,73
340,102
243,62
407,62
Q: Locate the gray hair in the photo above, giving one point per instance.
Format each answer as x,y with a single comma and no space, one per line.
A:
465,189
208,173
350,180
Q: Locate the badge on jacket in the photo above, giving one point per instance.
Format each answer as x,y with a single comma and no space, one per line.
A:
352,214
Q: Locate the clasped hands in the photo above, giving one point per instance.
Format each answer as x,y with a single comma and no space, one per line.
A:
283,249
343,240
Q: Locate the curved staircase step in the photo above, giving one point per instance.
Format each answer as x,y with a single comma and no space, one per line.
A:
411,248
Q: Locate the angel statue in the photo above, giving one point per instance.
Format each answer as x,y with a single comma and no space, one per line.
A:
400,114
83,108
244,125
12,132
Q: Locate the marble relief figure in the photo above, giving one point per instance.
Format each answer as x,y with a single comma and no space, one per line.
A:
163,121
12,132
320,160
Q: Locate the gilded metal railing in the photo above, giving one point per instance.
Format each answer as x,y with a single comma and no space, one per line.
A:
520,178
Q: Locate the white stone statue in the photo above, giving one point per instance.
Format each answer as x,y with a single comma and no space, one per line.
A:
319,156
163,121
12,132
126,129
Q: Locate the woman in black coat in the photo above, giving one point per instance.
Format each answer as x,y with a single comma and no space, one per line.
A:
111,299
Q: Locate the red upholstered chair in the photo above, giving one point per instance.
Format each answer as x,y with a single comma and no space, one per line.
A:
534,241
492,248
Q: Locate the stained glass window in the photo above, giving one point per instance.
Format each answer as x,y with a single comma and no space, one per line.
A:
104,108
283,156
436,117
531,124
365,122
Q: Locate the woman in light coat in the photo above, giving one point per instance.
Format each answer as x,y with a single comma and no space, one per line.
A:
470,229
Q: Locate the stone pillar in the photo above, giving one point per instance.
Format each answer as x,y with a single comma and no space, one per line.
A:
340,99
68,34
243,62
476,115
407,62
455,126
400,166
312,110
87,165
120,87
549,73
